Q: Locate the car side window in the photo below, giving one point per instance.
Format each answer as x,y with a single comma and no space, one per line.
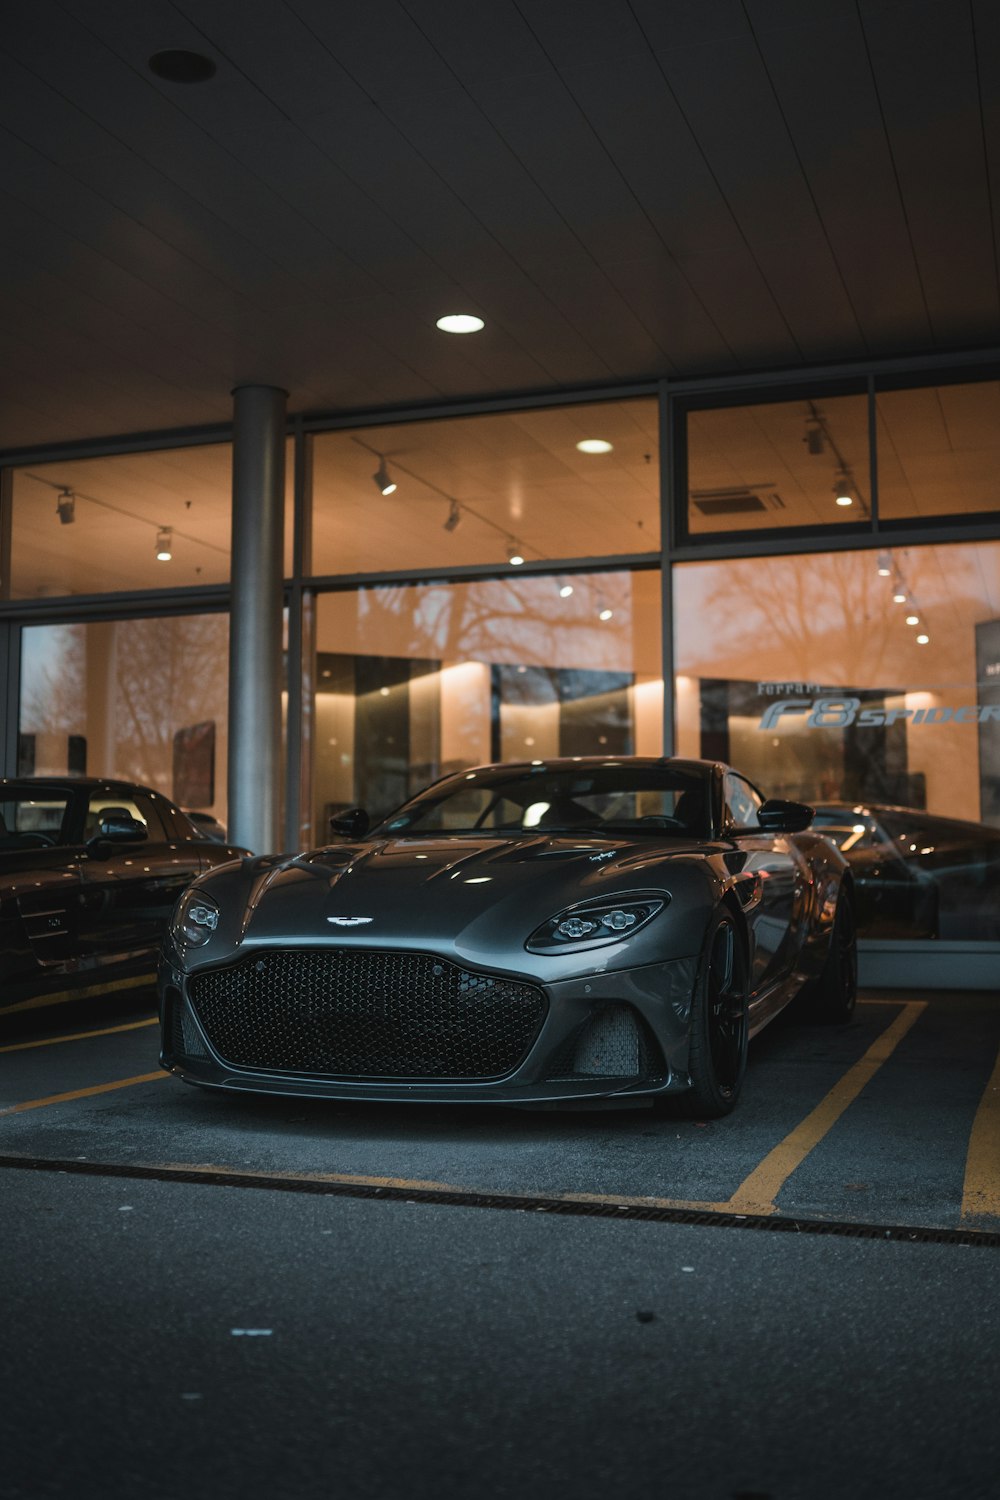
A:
742,802
138,806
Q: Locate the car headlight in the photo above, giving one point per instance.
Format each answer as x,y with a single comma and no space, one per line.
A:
596,923
195,919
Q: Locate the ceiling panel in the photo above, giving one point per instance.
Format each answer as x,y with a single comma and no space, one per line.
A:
623,189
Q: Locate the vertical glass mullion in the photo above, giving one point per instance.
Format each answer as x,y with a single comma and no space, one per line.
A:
668,520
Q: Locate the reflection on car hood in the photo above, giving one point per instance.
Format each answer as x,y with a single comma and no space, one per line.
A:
440,887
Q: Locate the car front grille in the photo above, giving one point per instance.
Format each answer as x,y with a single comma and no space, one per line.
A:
357,1013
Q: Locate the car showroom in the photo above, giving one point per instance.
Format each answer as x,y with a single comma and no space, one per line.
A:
500,752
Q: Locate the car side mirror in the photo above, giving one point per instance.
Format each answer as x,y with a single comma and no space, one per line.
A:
352,823
118,828
777,816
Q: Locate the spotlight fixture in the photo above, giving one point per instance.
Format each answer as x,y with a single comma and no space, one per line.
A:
454,516
922,640
843,494
606,614
814,439
66,507
565,591
594,445
913,619
460,323
884,565
381,477
899,597
514,555
164,544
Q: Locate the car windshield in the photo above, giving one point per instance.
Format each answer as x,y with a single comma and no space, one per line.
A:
543,799
31,820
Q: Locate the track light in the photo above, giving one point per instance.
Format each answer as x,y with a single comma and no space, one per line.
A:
814,440
913,619
606,614
454,516
382,479
565,591
66,507
884,565
514,554
164,544
899,597
922,640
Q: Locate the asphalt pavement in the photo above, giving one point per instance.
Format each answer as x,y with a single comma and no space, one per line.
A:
336,1306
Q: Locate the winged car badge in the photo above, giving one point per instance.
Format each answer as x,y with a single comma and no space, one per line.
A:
350,921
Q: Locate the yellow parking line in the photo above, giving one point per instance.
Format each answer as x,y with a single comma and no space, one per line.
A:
98,1088
756,1194
78,1036
981,1189
108,987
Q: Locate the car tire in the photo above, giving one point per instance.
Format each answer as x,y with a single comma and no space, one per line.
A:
719,1022
832,996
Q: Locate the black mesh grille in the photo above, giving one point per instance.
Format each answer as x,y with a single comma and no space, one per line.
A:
363,1014
615,1042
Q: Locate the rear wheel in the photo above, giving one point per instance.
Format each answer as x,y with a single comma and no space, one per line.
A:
718,1056
833,995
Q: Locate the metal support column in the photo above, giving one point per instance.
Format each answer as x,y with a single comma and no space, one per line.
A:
255,619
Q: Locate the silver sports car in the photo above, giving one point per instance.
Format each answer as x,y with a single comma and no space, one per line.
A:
554,931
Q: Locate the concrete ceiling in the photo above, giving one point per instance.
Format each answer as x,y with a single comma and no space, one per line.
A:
623,189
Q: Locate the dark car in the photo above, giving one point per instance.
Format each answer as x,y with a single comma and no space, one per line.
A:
560,930
90,871
916,874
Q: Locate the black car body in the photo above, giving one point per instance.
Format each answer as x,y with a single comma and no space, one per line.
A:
90,871
917,875
568,929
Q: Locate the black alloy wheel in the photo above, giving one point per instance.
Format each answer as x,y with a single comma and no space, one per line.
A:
719,1031
834,994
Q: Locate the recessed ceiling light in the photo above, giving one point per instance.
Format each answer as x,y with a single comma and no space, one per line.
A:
460,323
178,66
594,445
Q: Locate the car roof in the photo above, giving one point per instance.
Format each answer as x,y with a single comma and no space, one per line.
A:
78,783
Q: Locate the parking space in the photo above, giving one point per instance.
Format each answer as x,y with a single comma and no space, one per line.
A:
892,1120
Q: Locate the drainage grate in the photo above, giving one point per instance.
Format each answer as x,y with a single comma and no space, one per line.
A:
587,1209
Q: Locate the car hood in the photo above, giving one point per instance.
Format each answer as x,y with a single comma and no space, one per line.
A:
475,895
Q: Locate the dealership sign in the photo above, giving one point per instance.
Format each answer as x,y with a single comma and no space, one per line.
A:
842,712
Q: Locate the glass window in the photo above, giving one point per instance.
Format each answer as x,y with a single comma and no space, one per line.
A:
30,821
128,521
615,796
742,802
439,494
866,684
143,809
938,450
415,681
140,700
778,463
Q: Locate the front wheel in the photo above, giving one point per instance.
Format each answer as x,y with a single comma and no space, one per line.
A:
718,1056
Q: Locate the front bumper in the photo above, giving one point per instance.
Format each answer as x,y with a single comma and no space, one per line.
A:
622,1033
